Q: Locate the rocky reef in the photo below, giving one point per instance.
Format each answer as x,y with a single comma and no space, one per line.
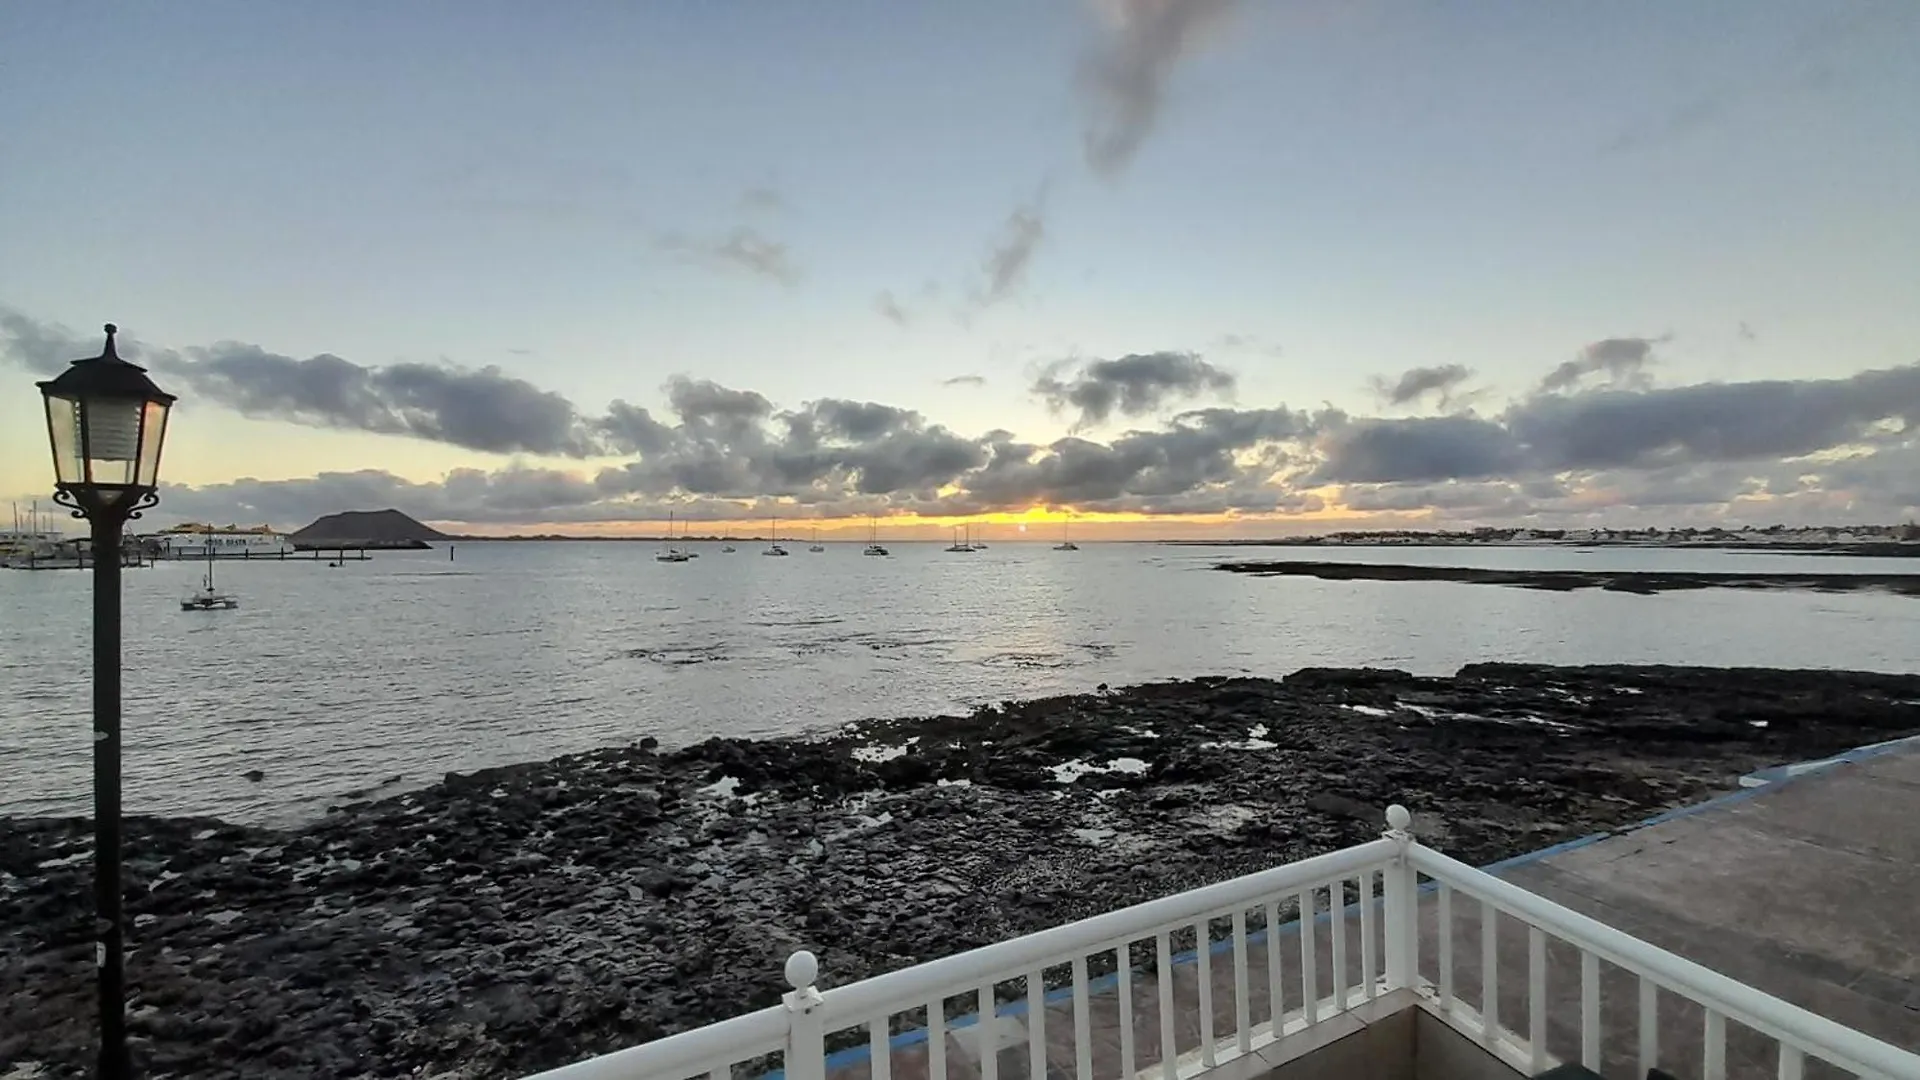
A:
1630,581
518,918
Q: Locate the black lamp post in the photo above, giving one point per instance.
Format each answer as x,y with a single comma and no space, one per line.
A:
107,421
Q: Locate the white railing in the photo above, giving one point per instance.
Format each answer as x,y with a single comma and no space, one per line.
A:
1173,989
1635,967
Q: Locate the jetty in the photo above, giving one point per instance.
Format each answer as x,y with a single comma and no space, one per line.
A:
1766,933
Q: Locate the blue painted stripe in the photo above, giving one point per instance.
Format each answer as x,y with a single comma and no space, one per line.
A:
1773,778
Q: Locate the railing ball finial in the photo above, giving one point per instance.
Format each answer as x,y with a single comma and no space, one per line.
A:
802,968
1399,818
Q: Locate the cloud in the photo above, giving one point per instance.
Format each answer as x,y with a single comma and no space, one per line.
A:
1420,449
1623,360
471,495
965,380
1133,385
889,308
1005,267
1711,421
1782,449
1246,343
1416,383
1646,429
742,249
47,348
1125,77
480,409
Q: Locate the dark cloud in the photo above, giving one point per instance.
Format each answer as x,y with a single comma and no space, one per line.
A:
1197,451
1125,77
733,444
1419,449
1496,497
1622,360
482,409
1005,267
1612,429
45,348
1133,385
1710,421
742,249
965,380
702,401
1416,383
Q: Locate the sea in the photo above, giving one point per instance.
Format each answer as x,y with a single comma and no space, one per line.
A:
337,683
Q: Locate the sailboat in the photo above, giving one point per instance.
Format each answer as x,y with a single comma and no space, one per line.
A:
209,598
957,545
815,546
672,554
873,539
1065,544
971,544
727,548
773,545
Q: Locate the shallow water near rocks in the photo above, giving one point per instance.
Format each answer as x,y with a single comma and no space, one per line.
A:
375,677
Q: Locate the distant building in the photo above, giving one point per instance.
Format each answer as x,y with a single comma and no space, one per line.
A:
196,540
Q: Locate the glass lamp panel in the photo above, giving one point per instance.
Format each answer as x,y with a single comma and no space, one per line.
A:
153,432
63,429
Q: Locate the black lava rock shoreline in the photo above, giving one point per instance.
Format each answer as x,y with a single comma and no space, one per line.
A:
518,918
1645,582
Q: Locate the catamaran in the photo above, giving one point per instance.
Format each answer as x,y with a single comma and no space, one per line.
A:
1065,544
209,598
873,539
957,546
815,546
773,545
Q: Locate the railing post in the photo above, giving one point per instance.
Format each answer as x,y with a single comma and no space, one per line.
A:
806,1056
1399,883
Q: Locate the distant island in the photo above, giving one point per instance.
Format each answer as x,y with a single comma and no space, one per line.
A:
366,530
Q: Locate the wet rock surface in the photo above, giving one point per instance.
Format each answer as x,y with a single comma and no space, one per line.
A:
519,918
1645,582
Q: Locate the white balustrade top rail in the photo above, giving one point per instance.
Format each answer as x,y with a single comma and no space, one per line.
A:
956,975
798,1028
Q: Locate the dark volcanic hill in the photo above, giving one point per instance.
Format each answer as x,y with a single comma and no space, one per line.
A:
365,529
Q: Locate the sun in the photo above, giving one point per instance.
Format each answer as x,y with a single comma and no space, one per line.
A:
1023,527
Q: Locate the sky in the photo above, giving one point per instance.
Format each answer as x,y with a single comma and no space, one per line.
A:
1161,267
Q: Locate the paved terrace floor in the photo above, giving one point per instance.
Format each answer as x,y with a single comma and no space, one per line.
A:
1808,890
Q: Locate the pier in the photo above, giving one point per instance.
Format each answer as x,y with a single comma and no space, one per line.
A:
349,554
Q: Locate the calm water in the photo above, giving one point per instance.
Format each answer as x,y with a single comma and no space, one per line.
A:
334,680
